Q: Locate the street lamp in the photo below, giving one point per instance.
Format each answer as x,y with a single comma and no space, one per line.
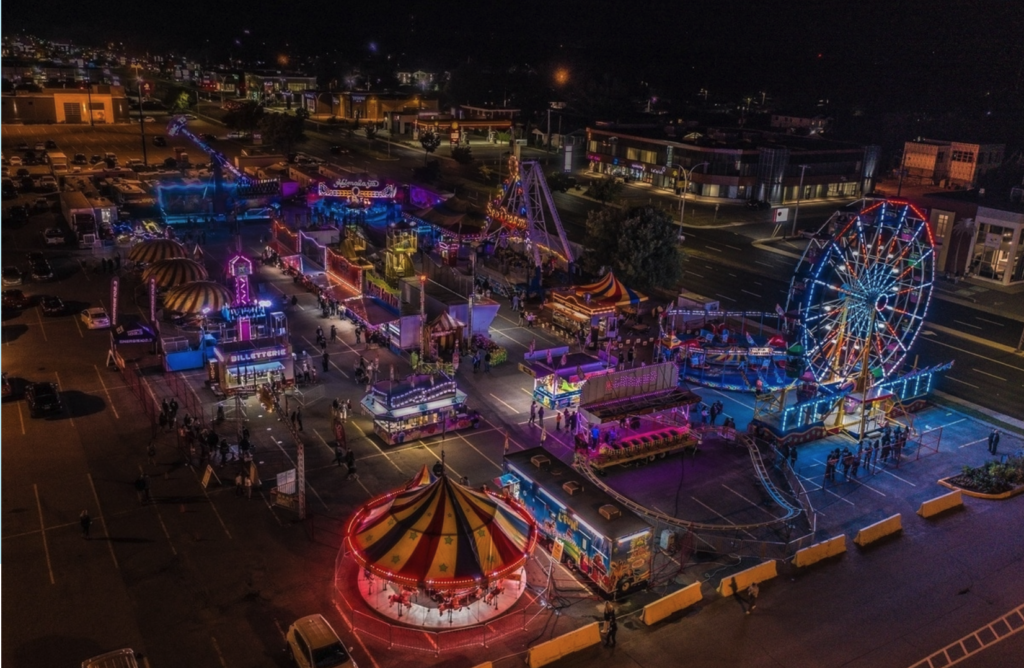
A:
142,126
686,186
799,194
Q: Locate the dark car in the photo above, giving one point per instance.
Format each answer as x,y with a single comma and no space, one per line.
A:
96,158
338,150
758,205
23,146
12,276
159,141
19,212
42,271
52,306
208,138
80,159
51,144
14,299
35,256
42,399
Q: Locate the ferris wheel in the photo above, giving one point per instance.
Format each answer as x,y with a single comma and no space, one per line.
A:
862,288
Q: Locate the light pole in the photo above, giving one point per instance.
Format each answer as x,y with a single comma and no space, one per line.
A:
799,194
142,126
686,187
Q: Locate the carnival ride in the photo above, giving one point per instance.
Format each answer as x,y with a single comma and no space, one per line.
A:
526,211
857,300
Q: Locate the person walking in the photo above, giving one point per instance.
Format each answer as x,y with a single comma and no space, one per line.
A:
334,333
533,414
86,522
752,593
140,488
339,455
792,457
298,416
326,361
993,442
295,422
350,463
540,415
558,421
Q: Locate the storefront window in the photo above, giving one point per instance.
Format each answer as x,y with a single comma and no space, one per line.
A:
992,254
1018,260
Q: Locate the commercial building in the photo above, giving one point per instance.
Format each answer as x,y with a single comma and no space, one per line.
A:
366,106
96,104
979,234
274,86
950,164
733,163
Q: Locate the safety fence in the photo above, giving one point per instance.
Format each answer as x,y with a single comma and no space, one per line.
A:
186,394
133,379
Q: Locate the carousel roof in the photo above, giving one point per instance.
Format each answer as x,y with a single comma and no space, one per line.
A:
156,249
197,296
174,271
440,535
455,216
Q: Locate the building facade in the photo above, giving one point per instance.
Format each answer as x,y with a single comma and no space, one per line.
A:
949,164
88,105
276,86
734,164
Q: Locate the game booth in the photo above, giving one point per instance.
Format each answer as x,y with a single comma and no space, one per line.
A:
244,366
559,376
725,359
438,554
579,523
417,407
594,309
634,416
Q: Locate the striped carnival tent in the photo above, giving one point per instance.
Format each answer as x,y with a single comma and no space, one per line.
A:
197,297
610,289
174,271
156,249
441,536
421,479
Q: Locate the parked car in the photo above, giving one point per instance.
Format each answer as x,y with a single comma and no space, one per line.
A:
54,236
52,306
40,146
42,399
18,212
314,644
50,144
758,204
35,256
95,159
95,318
48,183
159,140
8,388
80,159
14,299
15,161
41,204
42,271
12,276
149,119
22,146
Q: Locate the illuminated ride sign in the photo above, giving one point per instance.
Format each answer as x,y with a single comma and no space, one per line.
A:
357,190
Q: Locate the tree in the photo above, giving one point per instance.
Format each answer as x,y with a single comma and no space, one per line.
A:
462,155
245,117
560,182
429,141
282,130
637,243
604,190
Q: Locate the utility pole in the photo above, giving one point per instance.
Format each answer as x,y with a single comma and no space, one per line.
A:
142,126
799,194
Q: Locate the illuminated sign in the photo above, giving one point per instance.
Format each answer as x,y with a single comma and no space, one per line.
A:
357,189
260,355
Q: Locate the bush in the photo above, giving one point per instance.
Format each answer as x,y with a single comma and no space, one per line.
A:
992,477
604,190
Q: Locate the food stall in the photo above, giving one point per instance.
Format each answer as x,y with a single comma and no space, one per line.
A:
419,406
594,309
579,523
559,384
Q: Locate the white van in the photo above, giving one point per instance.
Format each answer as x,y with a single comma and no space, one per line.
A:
314,644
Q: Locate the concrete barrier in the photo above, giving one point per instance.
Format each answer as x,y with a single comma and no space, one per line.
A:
563,645
873,532
941,504
823,550
763,571
665,606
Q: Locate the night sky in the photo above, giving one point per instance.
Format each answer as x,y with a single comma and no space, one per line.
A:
908,53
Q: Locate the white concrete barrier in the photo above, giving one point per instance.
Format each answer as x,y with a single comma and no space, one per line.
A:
941,504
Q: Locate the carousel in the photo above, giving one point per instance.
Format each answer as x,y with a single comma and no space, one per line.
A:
438,554
595,309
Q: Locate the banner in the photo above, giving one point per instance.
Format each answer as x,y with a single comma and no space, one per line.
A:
115,287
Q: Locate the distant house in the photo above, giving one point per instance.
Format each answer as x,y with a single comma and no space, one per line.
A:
812,124
950,164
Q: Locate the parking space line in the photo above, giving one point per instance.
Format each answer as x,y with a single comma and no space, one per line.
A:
105,391
825,489
720,514
78,327
496,464
899,478
505,404
757,505
374,444
216,648
21,418
103,521
41,327
980,440
42,530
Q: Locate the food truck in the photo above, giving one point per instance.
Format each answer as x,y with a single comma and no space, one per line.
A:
419,406
579,523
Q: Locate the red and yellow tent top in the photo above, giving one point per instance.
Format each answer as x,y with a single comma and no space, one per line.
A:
605,295
441,535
